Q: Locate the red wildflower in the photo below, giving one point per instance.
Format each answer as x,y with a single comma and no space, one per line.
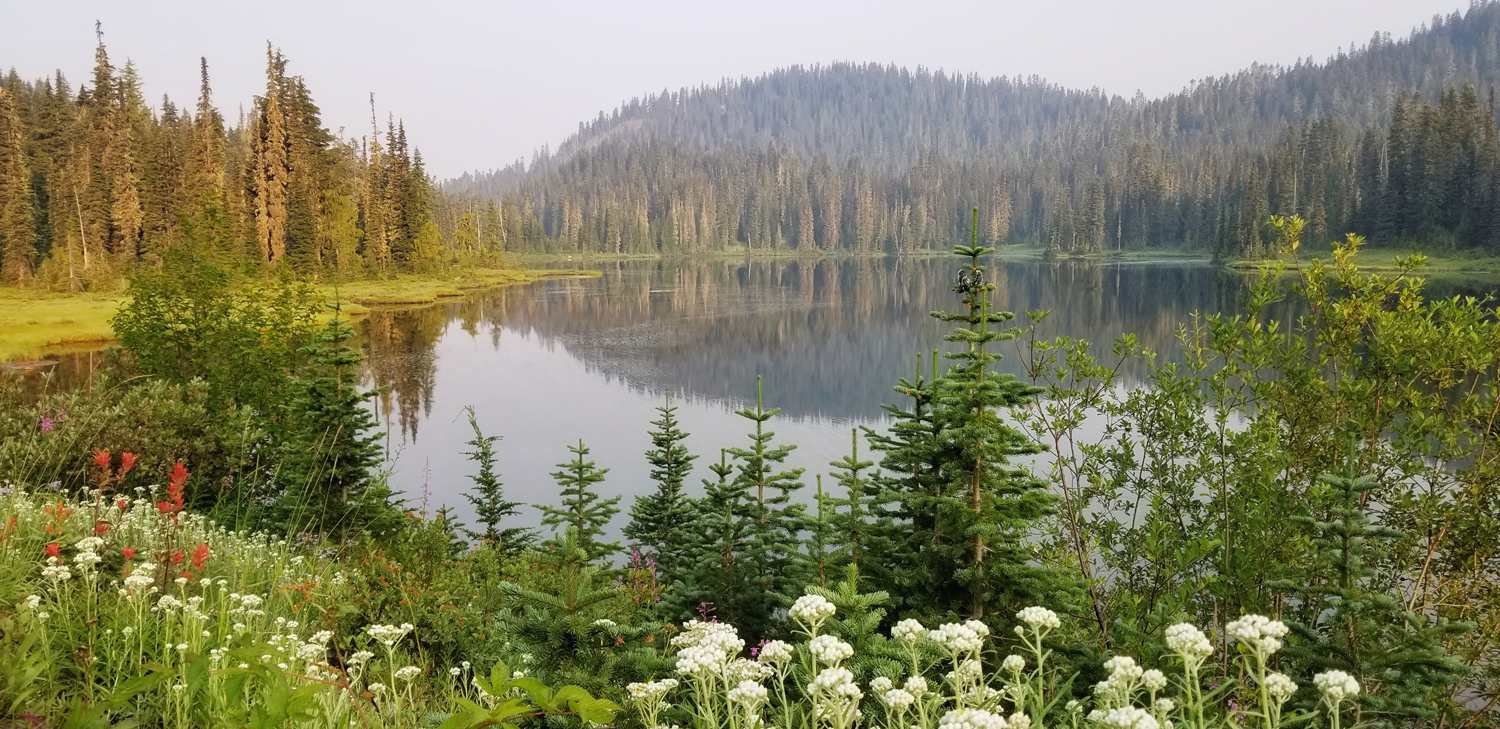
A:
129,552
54,550
123,504
127,462
200,557
101,528
173,504
177,557
101,459
187,575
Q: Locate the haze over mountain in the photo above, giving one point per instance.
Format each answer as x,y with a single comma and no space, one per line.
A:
870,157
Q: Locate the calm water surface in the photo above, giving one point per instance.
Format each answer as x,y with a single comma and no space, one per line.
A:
551,363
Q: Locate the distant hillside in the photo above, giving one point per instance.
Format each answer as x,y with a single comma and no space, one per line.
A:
870,157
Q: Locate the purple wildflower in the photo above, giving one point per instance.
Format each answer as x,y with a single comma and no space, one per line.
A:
46,424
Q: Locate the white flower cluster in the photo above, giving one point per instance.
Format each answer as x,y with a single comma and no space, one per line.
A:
408,673
1125,717
899,699
141,578
908,631
387,635
56,571
812,610
167,604
972,719
1039,618
604,623
1258,632
1336,686
835,695
706,648
32,601
957,637
830,650
1013,664
774,653
88,554
249,605
1186,640
748,694
1124,673
1154,680
651,689
1280,687
916,686
744,669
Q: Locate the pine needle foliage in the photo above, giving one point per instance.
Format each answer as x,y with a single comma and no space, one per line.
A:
777,522
988,502
583,511
658,519
722,577
909,482
858,623
331,457
576,632
488,497
1348,620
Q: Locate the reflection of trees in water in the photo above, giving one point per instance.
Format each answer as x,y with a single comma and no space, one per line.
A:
830,336
398,346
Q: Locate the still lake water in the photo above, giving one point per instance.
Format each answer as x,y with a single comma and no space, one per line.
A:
547,364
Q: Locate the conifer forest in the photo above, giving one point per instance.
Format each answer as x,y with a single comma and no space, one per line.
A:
845,396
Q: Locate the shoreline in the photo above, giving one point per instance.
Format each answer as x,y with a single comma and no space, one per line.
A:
36,323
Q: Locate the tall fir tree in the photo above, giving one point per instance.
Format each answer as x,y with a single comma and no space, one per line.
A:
719,576
583,513
17,224
487,496
658,521
331,452
988,501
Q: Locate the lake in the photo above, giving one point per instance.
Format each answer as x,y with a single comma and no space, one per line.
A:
548,364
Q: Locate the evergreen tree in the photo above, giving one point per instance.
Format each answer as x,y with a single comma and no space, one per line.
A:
776,522
719,574
1347,621
909,480
988,502
330,456
658,519
17,231
583,512
488,497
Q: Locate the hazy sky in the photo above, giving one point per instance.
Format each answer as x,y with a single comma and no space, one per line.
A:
480,84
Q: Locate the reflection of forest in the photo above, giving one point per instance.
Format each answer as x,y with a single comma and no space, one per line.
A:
829,337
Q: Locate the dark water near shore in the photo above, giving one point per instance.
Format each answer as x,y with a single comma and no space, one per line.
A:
549,363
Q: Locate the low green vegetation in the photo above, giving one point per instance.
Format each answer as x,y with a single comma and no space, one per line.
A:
1290,524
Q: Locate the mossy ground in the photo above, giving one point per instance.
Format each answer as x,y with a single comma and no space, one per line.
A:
32,322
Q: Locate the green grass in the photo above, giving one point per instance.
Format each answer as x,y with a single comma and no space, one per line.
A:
33,322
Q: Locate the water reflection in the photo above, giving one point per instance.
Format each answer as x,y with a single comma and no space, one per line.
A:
552,362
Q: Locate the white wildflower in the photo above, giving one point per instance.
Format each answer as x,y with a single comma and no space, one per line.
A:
775,653
972,719
812,610
1039,617
830,650
1186,640
1013,664
1335,686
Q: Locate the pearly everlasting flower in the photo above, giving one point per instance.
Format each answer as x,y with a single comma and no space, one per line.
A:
377,688
408,673
1039,618
897,698
743,669
880,685
604,623
32,601
1258,632
1165,705
1124,669
831,679
972,719
830,650
360,658
908,631
956,638
774,653
916,686
388,635
1154,680
1280,687
1019,721
455,671
748,694
1013,664
979,628
812,610
1186,640
1128,717
1335,686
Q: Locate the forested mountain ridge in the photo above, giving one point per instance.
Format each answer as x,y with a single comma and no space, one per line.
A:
871,157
